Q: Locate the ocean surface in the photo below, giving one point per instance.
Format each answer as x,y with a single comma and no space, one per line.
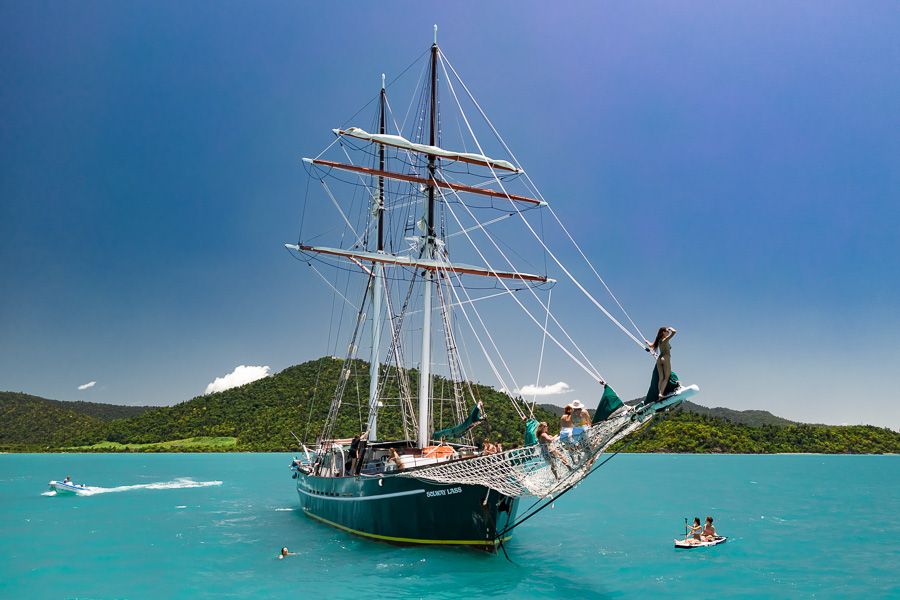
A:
210,525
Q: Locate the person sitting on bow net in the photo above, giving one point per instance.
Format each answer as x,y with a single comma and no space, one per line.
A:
581,420
550,452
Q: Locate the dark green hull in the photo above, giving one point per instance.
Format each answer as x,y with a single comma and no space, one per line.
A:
404,510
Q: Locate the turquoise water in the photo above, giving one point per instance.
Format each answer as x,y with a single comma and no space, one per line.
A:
163,526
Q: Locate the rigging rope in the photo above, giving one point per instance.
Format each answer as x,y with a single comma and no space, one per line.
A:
589,370
328,283
640,343
556,322
484,351
537,379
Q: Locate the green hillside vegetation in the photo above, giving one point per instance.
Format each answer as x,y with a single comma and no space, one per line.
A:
754,418
195,444
683,431
29,421
104,412
260,416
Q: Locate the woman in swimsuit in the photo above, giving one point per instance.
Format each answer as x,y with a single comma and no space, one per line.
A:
663,347
566,424
694,535
581,419
709,532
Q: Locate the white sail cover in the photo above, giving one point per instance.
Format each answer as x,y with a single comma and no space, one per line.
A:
403,143
418,263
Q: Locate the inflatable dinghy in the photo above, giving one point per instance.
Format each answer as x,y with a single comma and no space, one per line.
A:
689,544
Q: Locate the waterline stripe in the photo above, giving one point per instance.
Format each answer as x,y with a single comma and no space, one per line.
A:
358,498
390,538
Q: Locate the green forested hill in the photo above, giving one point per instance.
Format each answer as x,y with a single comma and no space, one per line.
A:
683,431
104,412
30,420
754,418
261,415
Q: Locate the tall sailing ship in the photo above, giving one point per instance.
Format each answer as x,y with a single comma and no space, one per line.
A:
402,198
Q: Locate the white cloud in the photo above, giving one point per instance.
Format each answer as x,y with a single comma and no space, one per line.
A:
560,387
240,376
87,385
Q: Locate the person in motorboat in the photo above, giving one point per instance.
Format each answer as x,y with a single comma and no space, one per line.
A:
693,536
68,480
581,419
709,532
566,424
662,346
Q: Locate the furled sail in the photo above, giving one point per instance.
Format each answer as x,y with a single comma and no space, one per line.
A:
417,263
401,142
459,187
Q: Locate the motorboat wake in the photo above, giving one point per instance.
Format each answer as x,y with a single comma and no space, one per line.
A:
78,489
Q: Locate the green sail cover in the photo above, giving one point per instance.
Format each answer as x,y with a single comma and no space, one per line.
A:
474,418
531,426
609,402
653,392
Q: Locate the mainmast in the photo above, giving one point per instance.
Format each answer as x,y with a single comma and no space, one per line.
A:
424,434
377,283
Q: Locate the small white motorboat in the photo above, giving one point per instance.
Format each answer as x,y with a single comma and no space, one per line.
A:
68,487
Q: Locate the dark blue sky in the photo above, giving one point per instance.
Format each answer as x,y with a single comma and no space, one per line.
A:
731,168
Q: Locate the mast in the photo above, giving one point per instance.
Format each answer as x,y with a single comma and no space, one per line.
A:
377,285
424,433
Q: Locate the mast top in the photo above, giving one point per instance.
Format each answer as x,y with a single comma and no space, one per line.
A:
382,81
435,34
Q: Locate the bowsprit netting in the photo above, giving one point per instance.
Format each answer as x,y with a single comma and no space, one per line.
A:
540,470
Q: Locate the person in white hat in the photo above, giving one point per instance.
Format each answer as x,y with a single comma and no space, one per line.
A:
581,419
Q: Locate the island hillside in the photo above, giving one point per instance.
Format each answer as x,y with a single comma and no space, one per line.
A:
260,416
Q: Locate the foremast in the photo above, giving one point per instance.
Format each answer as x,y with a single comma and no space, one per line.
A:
424,429
377,282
